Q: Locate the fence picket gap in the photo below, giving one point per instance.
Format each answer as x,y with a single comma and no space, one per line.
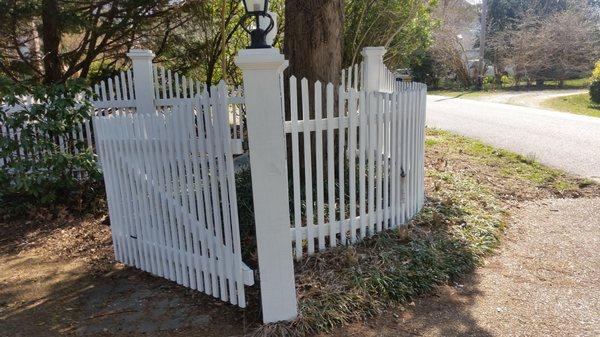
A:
341,164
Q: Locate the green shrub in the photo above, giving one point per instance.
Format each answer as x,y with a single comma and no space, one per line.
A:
595,91
45,175
596,72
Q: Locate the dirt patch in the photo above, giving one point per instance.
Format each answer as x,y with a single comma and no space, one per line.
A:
59,277
543,282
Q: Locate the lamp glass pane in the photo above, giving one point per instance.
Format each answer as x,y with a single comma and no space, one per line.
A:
256,5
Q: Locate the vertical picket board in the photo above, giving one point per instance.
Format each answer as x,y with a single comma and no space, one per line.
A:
392,151
169,178
177,175
218,224
195,223
371,148
308,190
319,164
342,97
296,167
234,242
133,195
203,209
331,166
151,191
413,165
165,181
154,206
170,83
181,187
163,79
363,134
203,119
117,136
356,78
349,84
112,201
381,100
136,170
220,116
387,128
352,114
118,96
423,110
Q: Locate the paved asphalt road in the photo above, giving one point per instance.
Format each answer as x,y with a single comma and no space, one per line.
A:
562,140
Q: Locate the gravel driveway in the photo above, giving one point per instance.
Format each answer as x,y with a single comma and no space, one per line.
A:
562,140
526,98
544,281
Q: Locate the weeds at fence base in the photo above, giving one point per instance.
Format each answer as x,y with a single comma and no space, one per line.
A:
470,189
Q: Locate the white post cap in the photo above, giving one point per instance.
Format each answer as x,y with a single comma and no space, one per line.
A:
373,51
262,58
140,54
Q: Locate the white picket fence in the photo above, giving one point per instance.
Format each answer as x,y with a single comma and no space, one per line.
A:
375,143
171,194
117,95
166,146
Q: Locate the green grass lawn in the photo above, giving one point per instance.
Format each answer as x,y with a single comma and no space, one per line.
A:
577,104
579,83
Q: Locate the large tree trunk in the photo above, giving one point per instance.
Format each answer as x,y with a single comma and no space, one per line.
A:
51,38
313,39
313,45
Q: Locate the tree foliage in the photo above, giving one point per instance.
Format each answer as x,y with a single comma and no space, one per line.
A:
52,41
449,49
544,40
551,43
402,26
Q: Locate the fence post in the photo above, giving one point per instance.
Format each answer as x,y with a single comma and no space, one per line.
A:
263,95
373,68
142,79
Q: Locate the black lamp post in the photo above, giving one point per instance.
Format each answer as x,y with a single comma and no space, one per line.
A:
256,9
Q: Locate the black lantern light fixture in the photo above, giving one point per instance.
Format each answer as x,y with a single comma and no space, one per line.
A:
256,9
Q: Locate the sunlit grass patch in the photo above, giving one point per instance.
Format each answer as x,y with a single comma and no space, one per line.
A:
578,104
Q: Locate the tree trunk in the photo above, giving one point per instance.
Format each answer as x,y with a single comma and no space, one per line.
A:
313,39
313,45
51,38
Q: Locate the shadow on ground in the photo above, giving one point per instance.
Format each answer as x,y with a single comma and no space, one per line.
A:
39,298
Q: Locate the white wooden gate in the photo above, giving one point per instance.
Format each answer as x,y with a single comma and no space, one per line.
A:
171,194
